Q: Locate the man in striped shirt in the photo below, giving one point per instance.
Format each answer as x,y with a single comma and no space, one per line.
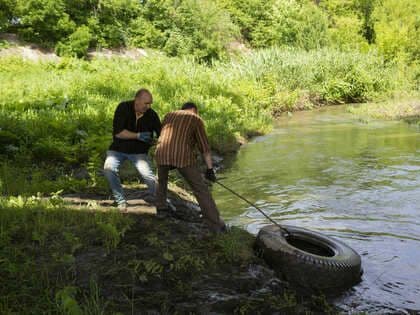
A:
182,132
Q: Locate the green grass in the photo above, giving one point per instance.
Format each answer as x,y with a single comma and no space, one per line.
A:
404,107
56,117
39,239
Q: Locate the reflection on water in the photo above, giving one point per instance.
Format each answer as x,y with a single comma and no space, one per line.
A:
358,182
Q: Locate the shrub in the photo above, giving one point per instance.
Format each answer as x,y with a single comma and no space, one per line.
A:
50,150
77,44
142,33
6,9
43,20
205,26
397,30
345,34
292,23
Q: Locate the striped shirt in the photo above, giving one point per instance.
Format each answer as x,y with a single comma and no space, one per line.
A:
182,132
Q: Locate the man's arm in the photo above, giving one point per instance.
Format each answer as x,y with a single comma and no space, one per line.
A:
207,159
126,134
204,146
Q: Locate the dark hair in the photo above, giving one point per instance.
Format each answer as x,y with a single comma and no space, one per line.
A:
142,91
189,105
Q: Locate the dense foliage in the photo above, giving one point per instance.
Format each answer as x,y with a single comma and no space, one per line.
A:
206,28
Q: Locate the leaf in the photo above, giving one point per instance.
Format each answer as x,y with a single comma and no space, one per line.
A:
168,256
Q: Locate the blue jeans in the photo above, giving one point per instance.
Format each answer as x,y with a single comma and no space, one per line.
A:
112,165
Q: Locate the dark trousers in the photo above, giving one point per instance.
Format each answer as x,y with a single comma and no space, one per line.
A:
200,189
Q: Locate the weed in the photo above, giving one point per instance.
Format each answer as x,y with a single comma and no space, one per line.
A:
188,263
110,235
66,301
144,269
93,303
235,246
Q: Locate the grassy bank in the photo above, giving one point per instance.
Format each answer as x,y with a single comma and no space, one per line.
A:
60,260
403,108
56,117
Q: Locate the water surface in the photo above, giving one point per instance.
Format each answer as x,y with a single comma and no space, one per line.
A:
356,181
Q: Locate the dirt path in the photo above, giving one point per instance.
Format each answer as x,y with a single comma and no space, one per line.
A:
138,201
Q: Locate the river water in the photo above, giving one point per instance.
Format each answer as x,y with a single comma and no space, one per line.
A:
358,182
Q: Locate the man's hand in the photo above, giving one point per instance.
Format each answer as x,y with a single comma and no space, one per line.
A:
145,136
210,175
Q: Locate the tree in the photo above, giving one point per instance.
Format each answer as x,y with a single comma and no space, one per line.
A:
247,14
345,26
6,13
43,20
206,25
77,44
365,9
397,29
292,23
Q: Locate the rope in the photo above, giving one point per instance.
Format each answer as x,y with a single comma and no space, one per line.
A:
282,229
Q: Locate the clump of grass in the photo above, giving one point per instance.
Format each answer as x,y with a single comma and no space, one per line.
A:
330,75
235,246
408,109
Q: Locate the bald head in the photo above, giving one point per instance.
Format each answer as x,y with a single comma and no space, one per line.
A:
141,92
143,101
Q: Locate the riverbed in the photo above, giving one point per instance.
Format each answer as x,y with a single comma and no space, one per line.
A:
357,181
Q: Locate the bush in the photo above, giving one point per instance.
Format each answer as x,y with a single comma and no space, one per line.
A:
43,21
51,150
77,44
178,44
203,27
142,33
246,14
337,77
345,34
6,9
292,23
397,30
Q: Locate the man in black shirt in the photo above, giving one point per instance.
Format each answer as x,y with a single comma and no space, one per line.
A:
134,127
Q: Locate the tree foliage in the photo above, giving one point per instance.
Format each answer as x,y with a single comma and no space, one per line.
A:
6,13
77,43
397,29
205,28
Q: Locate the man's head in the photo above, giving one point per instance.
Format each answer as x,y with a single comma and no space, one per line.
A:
190,106
142,101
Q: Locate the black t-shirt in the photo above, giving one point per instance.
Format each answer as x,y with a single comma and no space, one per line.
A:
125,118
